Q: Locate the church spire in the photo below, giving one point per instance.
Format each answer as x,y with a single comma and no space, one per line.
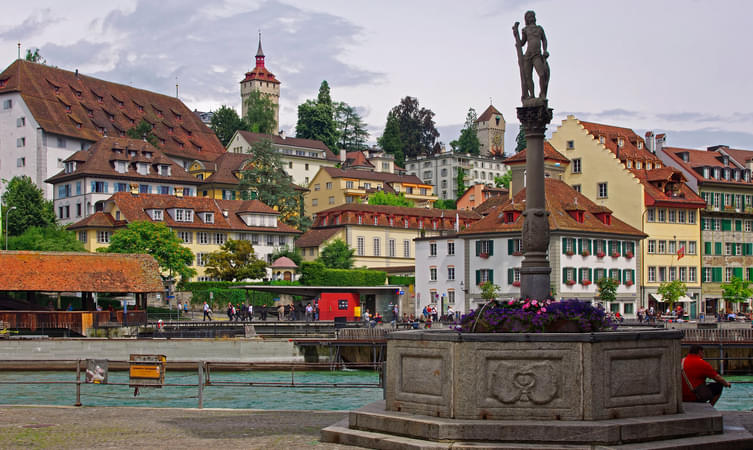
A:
259,54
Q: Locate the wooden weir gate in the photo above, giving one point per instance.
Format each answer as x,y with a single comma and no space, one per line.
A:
350,348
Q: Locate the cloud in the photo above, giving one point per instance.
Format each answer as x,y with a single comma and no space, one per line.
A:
142,48
688,117
705,137
33,24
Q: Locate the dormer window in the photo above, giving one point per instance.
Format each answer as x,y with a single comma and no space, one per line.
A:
601,139
164,170
148,155
640,144
726,174
620,142
142,168
183,215
132,153
70,166
716,173
121,166
629,164
156,214
725,160
208,217
648,166
705,172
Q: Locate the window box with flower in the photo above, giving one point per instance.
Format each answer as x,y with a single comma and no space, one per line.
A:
600,254
629,254
615,254
484,255
585,253
585,282
570,282
516,283
517,253
569,253
629,283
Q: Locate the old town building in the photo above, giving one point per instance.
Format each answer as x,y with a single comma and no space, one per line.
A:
262,80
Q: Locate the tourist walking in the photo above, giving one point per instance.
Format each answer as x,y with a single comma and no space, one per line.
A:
281,312
695,371
207,312
230,311
263,312
309,313
250,312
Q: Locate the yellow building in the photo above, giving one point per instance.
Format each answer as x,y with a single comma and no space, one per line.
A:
613,167
382,236
331,187
203,223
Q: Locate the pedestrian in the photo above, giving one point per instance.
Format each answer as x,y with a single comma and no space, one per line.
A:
366,318
293,313
207,312
281,312
695,371
263,312
250,312
309,313
180,308
230,311
185,308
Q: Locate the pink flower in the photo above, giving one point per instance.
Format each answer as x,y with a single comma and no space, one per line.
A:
510,302
542,310
525,306
534,303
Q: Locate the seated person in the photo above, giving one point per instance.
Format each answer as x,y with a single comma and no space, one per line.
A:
695,371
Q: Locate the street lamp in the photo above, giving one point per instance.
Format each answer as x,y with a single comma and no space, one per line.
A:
6,225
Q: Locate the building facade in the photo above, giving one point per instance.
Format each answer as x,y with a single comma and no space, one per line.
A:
441,171
202,223
47,114
262,80
491,132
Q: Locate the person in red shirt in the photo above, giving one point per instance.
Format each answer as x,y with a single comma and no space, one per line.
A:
697,371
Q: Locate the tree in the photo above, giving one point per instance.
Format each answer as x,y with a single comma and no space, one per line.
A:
607,289
468,141
671,291
418,134
31,209
316,119
235,261
35,56
388,198
293,253
445,204
155,239
264,178
489,291
260,114
351,130
337,255
461,182
225,122
736,291
504,180
520,140
390,140
48,239
143,131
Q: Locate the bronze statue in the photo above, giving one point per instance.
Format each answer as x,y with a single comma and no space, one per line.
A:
535,57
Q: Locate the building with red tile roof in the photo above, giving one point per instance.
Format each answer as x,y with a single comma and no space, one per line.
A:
586,243
382,236
479,193
722,178
203,223
262,80
617,169
112,165
58,112
555,164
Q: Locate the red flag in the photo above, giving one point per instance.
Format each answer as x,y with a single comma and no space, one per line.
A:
681,252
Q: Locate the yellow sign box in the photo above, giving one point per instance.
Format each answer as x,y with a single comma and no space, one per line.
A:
151,372
147,370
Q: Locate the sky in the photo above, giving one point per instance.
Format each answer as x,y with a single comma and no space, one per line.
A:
675,66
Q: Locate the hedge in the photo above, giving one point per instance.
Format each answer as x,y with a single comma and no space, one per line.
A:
316,274
402,281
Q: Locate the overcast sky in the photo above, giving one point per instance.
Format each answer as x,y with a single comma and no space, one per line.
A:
683,67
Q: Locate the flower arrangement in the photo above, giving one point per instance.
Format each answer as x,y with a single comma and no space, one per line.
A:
517,253
629,283
585,282
569,253
629,255
534,316
585,253
516,283
484,255
570,282
615,254
600,254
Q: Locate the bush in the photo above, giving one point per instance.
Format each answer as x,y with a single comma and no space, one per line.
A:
315,274
402,281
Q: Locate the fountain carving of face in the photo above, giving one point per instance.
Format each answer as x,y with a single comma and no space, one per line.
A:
530,18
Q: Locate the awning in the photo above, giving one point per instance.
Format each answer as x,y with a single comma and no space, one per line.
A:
683,299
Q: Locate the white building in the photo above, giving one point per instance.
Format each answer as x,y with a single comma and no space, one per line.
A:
440,278
441,171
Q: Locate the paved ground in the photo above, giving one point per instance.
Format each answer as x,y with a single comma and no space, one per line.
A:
137,428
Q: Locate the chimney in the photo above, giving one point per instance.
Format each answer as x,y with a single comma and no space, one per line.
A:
342,156
76,73
659,142
282,134
650,141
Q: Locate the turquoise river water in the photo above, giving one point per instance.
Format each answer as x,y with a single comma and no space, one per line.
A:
739,397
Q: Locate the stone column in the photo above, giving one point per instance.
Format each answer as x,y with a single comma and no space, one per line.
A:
535,270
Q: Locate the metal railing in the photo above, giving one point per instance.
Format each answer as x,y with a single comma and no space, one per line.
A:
718,336
204,380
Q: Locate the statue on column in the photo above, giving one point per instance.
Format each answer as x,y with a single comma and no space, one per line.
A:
535,57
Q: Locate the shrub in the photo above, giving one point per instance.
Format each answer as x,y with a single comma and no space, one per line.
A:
315,274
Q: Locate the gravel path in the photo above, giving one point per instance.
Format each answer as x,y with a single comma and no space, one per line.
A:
123,427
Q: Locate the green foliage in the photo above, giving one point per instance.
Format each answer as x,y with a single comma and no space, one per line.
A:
265,179
671,291
504,180
336,255
316,274
461,182
388,198
48,239
351,129
401,280
390,140
292,253
468,141
235,260
260,114
607,289
737,290
316,119
445,204
489,291
143,131
520,139
35,56
32,210
418,133
155,239
225,122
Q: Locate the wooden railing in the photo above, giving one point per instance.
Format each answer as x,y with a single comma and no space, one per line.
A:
733,335
363,333
76,321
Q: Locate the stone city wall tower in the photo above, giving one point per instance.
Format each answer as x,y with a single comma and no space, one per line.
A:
262,80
